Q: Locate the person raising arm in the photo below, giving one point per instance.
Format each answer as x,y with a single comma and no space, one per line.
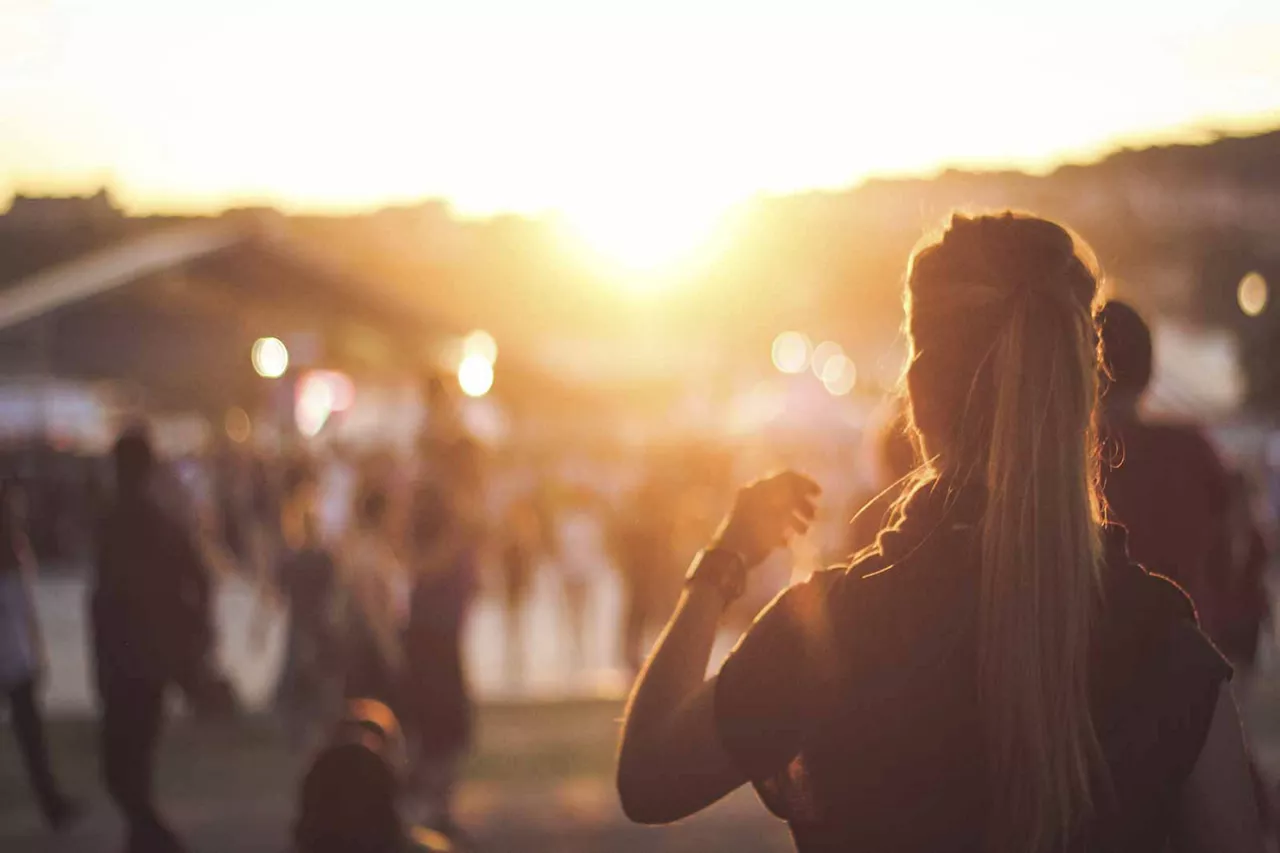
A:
670,763
996,674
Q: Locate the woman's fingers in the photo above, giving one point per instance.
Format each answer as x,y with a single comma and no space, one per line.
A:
769,512
799,496
789,500
799,485
798,524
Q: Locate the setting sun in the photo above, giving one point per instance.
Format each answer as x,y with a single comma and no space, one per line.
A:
647,246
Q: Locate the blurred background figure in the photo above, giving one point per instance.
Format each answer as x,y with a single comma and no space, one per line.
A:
1244,601
152,629
644,550
336,495
377,589
232,488
347,799
23,661
1185,517
521,550
448,534
1166,485
306,584
580,559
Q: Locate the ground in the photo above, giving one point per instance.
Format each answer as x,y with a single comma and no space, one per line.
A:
541,779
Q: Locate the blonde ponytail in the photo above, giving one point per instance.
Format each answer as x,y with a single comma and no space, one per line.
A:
1039,587
1003,388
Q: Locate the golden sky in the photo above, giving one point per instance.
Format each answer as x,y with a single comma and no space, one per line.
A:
672,108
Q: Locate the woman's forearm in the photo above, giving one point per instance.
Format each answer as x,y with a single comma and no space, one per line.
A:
671,764
672,761
677,666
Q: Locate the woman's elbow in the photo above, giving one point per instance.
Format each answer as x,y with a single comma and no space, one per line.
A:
643,809
642,800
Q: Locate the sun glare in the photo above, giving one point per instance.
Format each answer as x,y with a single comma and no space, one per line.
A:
647,245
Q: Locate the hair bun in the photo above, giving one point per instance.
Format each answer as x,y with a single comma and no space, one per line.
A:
1013,251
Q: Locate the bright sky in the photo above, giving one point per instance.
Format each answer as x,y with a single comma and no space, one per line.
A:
662,108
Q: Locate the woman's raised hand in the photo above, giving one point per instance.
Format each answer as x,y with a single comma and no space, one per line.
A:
766,513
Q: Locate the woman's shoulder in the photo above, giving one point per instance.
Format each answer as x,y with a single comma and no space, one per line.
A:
876,574
849,593
840,579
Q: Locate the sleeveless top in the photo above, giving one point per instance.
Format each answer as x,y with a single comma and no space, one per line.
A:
852,702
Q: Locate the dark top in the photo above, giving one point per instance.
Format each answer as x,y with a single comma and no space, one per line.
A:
1165,484
437,695
852,702
433,514
150,600
12,529
443,594
308,579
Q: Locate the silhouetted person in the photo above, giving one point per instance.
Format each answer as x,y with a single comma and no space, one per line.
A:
22,660
1163,482
307,584
997,675
1245,602
521,550
378,591
645,556
448,527
347,801
231,496
580,560
151,630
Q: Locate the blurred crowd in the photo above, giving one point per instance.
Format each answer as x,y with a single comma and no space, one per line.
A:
375,558
570,517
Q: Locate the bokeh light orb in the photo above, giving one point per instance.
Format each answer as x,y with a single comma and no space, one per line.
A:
791,352
313,406
270,357
1253,294
823,353
475,376
839,375
480,343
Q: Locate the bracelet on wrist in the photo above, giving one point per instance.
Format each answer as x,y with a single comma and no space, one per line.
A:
723,569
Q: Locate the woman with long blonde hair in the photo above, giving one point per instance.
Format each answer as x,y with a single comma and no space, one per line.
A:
995,675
